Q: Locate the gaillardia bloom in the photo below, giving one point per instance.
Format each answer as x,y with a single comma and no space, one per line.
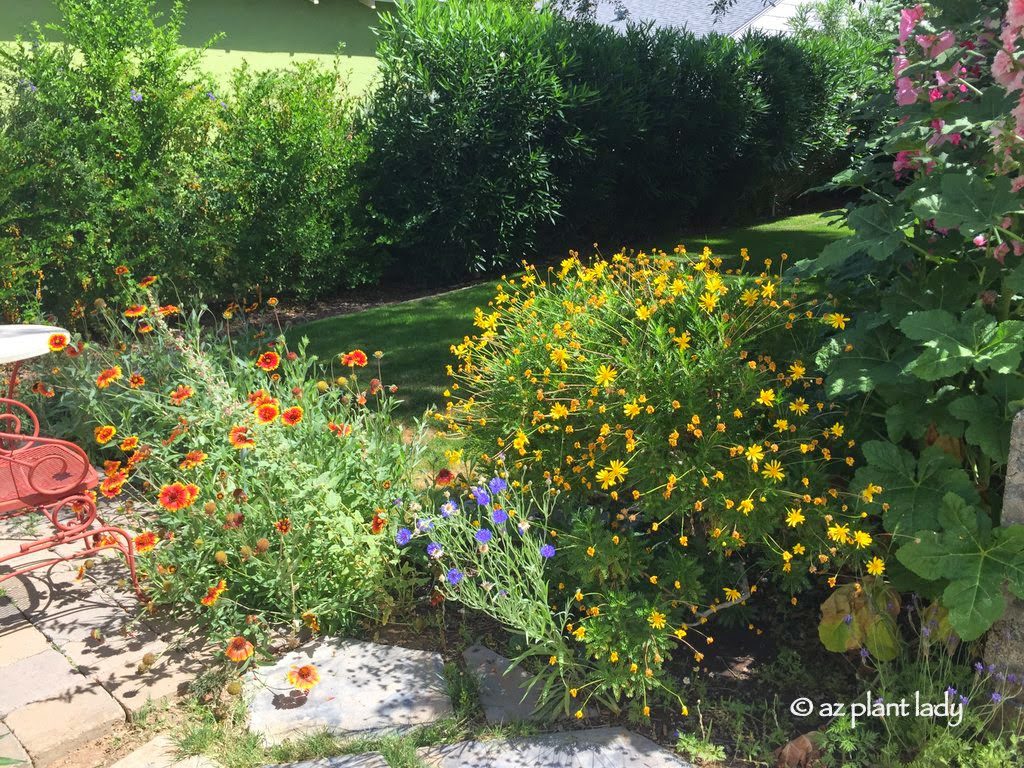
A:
104,434
145,542
267,413
292,416
354,358
57,342
239,438
303,678
180,394
239,649
177,496
213,593
108,376
268,361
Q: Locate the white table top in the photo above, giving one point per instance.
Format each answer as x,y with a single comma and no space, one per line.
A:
20,342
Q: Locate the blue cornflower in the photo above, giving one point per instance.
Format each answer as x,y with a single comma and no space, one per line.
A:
499,516
424,525
480,496
483,535
454,576
403,537
547,551
449,508
135,96
497,485
434,550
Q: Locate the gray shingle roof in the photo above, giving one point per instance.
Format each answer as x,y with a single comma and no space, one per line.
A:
694,15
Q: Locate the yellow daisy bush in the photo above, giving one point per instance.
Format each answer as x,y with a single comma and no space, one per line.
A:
642,391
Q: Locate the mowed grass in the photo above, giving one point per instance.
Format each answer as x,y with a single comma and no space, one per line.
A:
265,33
416,335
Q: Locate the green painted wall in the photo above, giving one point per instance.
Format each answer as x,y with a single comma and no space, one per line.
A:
267,33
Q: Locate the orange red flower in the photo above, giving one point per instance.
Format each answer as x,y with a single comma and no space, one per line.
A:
239,649
239,438
354,358
175,496
135,310
339,430
136,381
283,526
113,483
145,542
147,281
304,678
378,524
292,416
129,444
108,376
259,397
104,434
267,413
58,342
182,393
168,309
121,270
268,361
192,460
213,593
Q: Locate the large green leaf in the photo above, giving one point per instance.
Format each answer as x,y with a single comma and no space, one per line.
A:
952,346
913,489
986,427
972,203
879,228
861,615
977,561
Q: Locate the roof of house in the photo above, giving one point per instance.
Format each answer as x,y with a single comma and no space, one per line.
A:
694,15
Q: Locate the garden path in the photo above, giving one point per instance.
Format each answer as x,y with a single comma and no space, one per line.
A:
75,660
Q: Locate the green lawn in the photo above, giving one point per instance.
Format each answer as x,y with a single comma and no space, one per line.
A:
266,33
415,335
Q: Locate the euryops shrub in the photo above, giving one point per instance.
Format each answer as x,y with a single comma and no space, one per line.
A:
262,495
677,464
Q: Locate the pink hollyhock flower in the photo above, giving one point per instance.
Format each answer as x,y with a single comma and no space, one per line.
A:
1014,14
904,162
908,20
1018,248
906,94
899,63
1018,114
1000,252
925,41
943,43
1017,184
1004,70
1008,37
980,240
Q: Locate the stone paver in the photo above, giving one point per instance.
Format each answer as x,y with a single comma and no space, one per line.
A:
45,675
10,747
503,688
596,748
363,687
368,760
50,729
159,752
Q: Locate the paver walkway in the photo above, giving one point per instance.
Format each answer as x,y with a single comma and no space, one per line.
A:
74,659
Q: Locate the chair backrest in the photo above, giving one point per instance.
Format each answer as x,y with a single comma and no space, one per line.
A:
36,470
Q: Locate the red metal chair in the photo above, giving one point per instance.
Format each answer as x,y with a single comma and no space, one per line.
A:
55,478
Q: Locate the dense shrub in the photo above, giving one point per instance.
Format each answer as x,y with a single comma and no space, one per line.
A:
247,473
116,149
103,144
464,123
288,154
689,465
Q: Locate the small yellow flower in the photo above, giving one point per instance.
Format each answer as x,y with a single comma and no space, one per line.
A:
766,398
656,619
837,320
731,594
605,376
876,566
773,471
794,518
